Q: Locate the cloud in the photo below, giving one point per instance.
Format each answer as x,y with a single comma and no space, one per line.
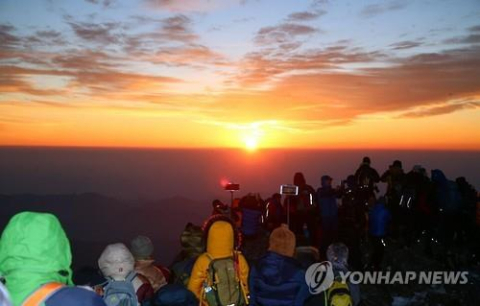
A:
474,28
373,10
407,44
7,38
441,109
105,3
97,33
192,5
188,55
469,39
282,33
178,28
305,16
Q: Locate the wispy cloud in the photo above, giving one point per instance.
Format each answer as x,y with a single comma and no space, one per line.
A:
441,109
305,16
373,10
282,33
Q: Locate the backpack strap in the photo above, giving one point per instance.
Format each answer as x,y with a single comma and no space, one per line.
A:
42,294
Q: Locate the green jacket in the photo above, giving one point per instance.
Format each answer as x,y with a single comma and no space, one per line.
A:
34,250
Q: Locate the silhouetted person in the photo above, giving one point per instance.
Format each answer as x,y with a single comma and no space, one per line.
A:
366,177
302,210
379,219
327,202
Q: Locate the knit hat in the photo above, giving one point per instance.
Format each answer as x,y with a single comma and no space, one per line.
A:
141,247
282,241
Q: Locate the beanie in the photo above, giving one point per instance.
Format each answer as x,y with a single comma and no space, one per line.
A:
141,247
282,241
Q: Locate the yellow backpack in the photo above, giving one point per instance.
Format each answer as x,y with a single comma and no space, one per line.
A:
339,294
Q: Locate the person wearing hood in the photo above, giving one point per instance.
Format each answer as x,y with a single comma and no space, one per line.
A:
278,279
35,260
221,240
142,250
192,246
117,264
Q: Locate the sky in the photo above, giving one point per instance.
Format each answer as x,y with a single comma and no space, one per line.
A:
394,74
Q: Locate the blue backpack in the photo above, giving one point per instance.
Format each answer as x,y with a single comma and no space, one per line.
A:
121,293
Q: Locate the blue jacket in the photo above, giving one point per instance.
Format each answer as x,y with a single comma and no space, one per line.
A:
251,221
277,280
74,296
379,219
327,199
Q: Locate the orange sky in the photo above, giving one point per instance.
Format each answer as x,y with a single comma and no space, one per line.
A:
312,75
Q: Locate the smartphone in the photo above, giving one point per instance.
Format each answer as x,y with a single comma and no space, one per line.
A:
289,190
232,187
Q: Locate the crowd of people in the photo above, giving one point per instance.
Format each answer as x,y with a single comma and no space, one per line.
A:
252,252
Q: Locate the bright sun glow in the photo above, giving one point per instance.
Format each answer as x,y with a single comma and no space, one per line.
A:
251,143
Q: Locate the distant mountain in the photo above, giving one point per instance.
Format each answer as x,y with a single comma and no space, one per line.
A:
92,220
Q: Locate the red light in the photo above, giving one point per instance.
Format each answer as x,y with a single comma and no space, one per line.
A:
224,182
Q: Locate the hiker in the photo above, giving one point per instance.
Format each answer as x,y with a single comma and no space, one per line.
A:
366,177
220,275
327,203
379,220
351,222
124,284
274,214
142,250
192,246
35,259
448,201
398,205
278,278
338,255
302,208
254,238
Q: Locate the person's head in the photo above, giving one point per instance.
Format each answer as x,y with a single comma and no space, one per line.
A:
282,241
34,250
192,241
417,169
337,254
326,181
397,164
366,160
299,179
221,236
116,261
141,248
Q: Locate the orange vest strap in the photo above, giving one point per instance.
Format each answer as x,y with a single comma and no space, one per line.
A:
42,294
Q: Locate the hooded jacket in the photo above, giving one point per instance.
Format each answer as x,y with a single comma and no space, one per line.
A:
116,262
34,250
220,244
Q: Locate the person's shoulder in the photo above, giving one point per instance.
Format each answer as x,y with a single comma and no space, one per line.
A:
75,296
